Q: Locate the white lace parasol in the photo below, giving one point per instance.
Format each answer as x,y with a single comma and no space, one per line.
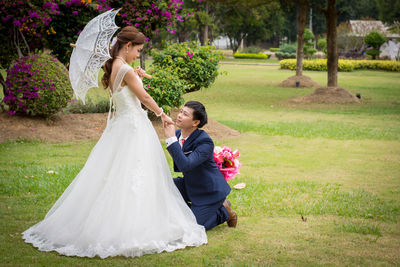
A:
91,52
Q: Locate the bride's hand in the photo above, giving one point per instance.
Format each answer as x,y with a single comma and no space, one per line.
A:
166,119
140,72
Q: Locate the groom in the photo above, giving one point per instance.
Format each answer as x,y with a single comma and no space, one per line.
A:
202,186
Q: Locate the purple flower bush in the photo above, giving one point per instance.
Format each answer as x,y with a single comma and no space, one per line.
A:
37,85
67,25
53,24
151,17
25,24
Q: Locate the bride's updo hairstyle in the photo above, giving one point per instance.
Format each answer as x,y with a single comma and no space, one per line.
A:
126,35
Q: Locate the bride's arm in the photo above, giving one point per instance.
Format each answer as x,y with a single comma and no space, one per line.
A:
135,86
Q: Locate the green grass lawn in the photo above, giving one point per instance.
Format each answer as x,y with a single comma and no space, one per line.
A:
338,166
250,60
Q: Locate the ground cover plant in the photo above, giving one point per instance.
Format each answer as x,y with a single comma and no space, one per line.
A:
322,180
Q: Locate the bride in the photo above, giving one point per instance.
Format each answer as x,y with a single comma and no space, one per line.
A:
123,201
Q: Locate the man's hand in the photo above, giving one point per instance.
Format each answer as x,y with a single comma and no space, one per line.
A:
169,130
166,119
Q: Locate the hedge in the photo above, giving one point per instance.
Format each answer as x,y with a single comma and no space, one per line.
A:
343,65
251,55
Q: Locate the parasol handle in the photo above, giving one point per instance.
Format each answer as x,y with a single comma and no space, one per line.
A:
148,76
72,45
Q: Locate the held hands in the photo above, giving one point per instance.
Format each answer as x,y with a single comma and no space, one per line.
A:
169,127
166,120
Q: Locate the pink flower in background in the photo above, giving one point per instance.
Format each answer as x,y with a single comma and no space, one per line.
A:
189,54
227,161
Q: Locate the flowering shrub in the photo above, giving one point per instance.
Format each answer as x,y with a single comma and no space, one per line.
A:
343,65
37,85
227,161
32,25
66,26
24,23
150,16
251,55
196,65
166,88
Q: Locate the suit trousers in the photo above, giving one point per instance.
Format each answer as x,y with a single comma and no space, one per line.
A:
209,215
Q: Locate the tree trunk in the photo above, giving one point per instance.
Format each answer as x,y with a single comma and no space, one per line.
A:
301,22
3,83
234,44
276,41
205,35
142,59
331,38
205,29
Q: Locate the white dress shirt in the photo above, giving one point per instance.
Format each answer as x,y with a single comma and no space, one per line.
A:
173,139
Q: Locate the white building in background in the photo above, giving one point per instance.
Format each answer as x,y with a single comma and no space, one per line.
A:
222,42
390,49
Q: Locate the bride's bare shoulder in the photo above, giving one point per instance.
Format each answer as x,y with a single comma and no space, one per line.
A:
116,66
114,70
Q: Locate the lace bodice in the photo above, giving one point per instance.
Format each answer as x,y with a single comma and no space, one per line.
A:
125,102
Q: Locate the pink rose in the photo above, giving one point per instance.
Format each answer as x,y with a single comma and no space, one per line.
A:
236,153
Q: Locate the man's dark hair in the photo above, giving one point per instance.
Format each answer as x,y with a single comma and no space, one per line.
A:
199,112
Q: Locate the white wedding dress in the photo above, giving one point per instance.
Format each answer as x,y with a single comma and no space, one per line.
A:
123,201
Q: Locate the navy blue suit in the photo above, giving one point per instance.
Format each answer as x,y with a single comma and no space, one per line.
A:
203,186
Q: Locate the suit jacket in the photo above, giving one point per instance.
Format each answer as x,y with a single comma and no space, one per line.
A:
203,181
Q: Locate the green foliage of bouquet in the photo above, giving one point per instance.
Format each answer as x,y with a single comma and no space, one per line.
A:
194,64
37,85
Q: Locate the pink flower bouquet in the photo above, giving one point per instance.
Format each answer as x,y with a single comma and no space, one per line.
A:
227,161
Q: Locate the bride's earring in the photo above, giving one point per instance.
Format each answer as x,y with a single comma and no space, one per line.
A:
126,52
